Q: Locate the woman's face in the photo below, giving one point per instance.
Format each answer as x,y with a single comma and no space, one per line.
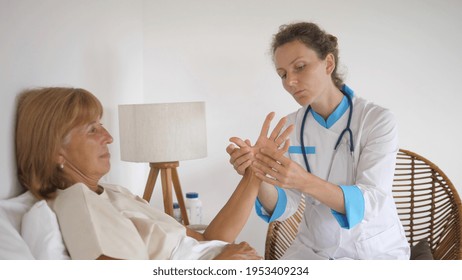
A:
86,154
303,74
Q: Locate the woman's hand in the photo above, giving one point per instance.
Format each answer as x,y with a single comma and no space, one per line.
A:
274,168
242,153
241,251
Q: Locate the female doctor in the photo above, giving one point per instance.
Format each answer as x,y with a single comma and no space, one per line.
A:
341,158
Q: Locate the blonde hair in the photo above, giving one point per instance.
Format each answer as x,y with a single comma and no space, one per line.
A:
44,118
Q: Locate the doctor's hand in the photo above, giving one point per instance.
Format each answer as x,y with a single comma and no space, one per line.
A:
276,169
242,153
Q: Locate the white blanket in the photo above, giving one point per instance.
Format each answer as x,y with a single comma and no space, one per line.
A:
29,230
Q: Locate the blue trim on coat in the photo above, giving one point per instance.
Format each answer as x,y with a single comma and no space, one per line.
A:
354,207
298,150
338,112
279,209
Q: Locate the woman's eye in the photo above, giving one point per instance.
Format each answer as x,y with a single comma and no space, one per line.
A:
95,128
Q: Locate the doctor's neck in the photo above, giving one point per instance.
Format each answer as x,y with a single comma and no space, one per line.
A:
327,102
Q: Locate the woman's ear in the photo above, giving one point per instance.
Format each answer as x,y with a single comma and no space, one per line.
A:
330,64
60,160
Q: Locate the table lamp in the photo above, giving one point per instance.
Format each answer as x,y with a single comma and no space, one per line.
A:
163,134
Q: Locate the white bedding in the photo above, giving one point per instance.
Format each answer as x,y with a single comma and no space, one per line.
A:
29,230
12,245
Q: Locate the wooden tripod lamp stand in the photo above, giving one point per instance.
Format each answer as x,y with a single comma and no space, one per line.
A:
169,177
162,135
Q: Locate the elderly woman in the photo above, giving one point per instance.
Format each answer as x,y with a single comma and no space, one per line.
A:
62,153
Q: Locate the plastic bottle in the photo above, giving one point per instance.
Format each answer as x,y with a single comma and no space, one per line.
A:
194,208
177,212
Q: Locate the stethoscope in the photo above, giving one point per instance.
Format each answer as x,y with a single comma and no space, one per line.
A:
347,129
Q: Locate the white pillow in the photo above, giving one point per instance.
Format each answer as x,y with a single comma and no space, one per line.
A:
12,246
16,207
40,231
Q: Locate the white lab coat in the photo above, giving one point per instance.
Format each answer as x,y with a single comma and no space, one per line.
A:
379,235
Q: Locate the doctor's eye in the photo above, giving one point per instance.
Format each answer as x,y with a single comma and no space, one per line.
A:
299,67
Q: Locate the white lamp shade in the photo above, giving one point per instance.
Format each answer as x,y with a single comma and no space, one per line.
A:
162,132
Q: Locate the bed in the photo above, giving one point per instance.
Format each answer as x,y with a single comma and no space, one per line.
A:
29,230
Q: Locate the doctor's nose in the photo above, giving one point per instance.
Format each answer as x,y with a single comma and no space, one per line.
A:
292,81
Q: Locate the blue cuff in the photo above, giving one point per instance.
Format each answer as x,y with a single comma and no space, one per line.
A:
354,207
278,210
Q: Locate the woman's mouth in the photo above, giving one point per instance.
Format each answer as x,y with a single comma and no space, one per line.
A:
106,155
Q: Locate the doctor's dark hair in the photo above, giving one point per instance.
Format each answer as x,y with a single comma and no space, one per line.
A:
44,118
313,37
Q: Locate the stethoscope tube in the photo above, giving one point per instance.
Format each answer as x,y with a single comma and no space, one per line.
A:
347,129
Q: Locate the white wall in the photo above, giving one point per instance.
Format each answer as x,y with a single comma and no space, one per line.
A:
96,45
400,54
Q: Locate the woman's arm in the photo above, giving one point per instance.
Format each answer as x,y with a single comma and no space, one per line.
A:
231,219
242,154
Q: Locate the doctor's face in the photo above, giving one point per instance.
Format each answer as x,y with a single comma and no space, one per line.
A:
86,153
304,75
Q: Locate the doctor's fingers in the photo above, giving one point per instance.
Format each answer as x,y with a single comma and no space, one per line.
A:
262,172
267,165
285,147
242,167
231,148
241,159
272,176
240,154
238,147
242,163
284,135
276,154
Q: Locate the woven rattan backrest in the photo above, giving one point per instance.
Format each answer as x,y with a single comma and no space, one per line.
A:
280,235
428,205
427,202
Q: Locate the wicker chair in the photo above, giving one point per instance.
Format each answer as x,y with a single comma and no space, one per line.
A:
428,205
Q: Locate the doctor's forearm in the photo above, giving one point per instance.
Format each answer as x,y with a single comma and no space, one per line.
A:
268,197
327,193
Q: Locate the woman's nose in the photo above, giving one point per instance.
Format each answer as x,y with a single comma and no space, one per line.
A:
107,136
